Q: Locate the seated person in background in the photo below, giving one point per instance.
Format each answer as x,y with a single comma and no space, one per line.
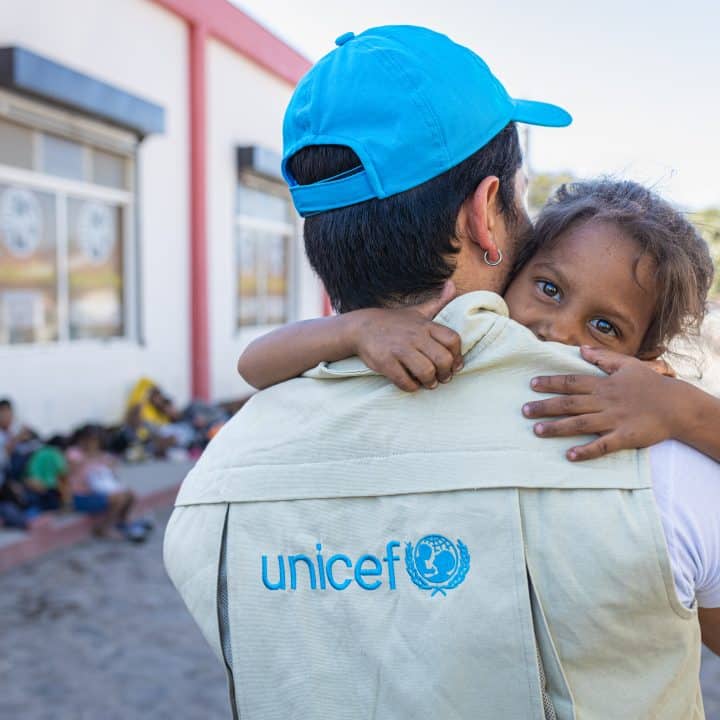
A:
188,429
155,423
12,503
46,480
96,489
153,418
136,438
17,442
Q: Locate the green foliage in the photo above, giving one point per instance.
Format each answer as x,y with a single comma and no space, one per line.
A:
708,223
542,186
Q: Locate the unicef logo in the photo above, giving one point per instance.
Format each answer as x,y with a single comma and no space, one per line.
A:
436,563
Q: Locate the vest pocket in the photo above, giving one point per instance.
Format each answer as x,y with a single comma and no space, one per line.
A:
224,619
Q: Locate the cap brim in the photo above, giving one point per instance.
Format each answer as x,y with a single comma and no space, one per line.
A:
539,113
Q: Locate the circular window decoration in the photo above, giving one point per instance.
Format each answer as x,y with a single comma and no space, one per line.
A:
21,221
96,232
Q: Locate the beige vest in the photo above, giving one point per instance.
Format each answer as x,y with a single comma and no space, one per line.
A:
352,551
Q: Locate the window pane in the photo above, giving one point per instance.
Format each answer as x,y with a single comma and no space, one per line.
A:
263,205
262,257
276,310
15,145
246,247
62,157
95,269
28,266
108,169
262,271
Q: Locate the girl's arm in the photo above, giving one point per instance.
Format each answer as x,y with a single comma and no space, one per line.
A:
633,407
402,344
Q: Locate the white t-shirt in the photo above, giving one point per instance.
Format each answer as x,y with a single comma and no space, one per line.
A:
687,491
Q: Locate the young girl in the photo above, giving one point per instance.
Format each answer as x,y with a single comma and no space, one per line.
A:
611,267
96,489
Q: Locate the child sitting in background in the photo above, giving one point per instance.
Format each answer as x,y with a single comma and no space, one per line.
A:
96,489
46,480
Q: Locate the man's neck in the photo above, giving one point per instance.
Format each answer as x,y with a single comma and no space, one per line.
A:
479,278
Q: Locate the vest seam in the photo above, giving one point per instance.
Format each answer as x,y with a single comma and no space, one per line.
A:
662,559
517,561
223,619
360,458
551,639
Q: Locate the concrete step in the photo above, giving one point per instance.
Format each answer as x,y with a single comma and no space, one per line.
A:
155,483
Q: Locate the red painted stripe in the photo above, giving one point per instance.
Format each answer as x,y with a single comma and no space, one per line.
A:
199,311
240,32
225,22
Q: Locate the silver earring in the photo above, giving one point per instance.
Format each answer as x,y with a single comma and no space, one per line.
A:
486,258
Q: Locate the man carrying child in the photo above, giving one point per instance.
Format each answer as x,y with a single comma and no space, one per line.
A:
352,551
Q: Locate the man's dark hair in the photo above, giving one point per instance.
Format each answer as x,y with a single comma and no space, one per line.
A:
5,403
399,249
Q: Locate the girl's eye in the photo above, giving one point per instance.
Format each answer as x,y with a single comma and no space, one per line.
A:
604,326
549,288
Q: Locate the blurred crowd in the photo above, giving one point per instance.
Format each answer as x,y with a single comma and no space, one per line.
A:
77,472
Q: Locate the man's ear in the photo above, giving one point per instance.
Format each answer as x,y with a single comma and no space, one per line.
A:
481,216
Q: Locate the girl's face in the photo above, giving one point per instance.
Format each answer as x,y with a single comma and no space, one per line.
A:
591,286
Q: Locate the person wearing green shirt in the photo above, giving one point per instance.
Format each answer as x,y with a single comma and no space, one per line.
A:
46,479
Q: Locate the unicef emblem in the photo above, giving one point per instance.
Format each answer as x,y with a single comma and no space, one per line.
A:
436,563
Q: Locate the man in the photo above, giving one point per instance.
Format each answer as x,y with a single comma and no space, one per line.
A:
354,552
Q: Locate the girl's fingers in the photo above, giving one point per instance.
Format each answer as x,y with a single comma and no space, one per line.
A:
565,384
607,360
568,427
604,445
441,358
420,368
448,338
563,405
399,376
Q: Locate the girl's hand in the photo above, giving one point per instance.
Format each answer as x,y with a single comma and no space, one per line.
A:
633,407
405,345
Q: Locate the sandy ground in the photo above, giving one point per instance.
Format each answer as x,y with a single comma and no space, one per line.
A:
97,632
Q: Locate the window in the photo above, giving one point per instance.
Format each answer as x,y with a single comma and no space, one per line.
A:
265,232
66,209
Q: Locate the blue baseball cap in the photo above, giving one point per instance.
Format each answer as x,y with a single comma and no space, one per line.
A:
410,102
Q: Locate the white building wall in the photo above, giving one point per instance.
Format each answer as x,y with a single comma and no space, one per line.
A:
141,48
245,107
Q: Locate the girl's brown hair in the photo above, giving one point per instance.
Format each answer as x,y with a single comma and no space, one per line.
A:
684,268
